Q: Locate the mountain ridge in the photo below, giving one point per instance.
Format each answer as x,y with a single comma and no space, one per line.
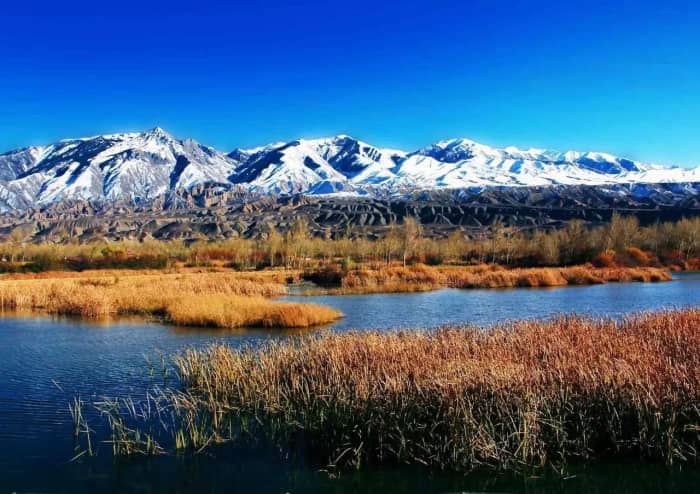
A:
139,167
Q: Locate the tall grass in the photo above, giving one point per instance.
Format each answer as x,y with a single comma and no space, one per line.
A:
126,419
233,312
213,299
518,395
397,278
80,426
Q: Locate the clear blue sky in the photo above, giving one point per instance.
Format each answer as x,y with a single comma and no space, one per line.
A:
614,76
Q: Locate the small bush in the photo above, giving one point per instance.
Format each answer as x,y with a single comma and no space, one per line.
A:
434,260
330,275
636,257
605,259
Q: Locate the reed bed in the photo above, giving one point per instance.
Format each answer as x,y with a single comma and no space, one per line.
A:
516,396
179,298
280,276
233,312
423,278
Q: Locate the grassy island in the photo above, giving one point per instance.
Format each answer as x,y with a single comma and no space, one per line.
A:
217,299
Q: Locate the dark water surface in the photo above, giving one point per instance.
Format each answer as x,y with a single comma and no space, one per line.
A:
45,362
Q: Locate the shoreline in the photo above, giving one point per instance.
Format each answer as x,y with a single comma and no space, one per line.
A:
235,299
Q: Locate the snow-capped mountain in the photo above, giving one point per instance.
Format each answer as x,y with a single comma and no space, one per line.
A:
317,166
138,167
460,163
133,167
344,164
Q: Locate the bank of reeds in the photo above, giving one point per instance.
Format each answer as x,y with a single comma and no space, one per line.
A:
233,312
279,276
212,299
397,278
515,396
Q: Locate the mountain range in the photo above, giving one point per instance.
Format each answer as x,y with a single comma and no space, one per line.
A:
139,167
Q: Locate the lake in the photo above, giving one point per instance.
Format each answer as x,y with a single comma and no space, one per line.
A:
45,362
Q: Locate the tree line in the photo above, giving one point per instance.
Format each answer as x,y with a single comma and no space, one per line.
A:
622,240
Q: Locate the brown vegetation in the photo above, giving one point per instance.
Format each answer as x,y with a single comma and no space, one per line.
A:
517,395
233,312
419,277
212,299
267,276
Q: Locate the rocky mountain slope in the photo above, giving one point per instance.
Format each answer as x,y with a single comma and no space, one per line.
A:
216,213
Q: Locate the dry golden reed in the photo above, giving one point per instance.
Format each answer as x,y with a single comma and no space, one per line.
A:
397,278
518,395
179,298
232,312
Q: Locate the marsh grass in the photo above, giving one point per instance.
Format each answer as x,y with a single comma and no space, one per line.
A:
80,427
133,427
396,278
277,276
515,396
233,312
204,299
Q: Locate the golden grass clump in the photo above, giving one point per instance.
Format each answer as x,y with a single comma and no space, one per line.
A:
232,312
391,279
239,301
518,395
278,276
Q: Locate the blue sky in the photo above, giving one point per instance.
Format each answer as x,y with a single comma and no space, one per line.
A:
616,76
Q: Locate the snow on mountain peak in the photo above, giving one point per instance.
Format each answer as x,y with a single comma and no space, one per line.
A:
134,167
160,131
142,165
456,150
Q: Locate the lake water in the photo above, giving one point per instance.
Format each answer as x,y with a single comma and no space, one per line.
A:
45,362
488,306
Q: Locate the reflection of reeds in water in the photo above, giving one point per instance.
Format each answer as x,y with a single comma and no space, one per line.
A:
204,299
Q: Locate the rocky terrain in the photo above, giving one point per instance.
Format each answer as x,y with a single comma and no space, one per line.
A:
216,213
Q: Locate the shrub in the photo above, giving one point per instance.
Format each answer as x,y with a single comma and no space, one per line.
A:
636,257
330,275
434,259
604,259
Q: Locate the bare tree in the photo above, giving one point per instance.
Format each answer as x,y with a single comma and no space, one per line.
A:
275,244
410,234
